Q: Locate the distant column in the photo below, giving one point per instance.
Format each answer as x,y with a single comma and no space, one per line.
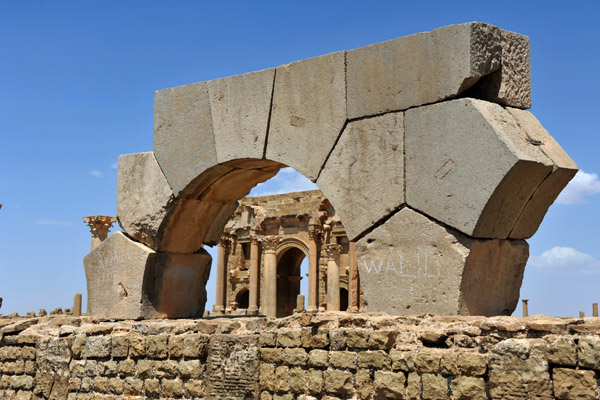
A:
253,300
594,309
313,269
353,292
333,276
219,307
99,227
269,300
77,305
525,308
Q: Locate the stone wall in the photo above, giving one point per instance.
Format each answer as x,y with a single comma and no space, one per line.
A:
329,356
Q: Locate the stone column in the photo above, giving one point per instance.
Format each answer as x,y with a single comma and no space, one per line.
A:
253,301
99,227
353,294
313,269
333,276
269,298
219,307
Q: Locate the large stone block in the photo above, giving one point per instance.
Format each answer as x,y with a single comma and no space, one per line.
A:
432,66
308,113
184,143
414,265
143,197
518,369
563,170
127,280
240,107
471,166
364,176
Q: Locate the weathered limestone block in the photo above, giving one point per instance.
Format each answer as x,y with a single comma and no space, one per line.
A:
563,171
240,107
143,197
127,280
308,113
413,265
465,388
471,166
518,368
574,384
369,160
184,143
432,66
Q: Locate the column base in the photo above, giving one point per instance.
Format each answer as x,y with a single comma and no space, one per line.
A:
352,309
218,310
253,311
312,309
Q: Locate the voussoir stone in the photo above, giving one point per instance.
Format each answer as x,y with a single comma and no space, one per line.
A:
414,265
564,169
143,197
240,107
308,112
184,143
369,160
471,166
127,280
432,66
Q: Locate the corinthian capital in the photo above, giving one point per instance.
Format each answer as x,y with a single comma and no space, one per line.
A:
270,243
333,250
99,225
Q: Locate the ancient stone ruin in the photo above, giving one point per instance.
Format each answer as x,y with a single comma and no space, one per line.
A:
306,226
421,144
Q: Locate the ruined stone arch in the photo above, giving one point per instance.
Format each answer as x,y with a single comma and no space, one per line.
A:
420,143
289,243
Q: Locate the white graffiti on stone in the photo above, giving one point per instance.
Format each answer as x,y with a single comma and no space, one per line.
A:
427,264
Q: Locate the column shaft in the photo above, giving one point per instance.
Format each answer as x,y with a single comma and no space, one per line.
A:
313,271
253,301
269,300
353,294
333,276
221,289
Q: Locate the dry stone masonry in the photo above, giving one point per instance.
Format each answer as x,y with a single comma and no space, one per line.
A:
307,356
422,144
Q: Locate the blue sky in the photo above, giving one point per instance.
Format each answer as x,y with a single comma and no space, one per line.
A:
77,87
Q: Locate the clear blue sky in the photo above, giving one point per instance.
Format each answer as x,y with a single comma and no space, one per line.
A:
77,87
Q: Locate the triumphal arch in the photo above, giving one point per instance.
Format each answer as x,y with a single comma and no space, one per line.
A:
422,145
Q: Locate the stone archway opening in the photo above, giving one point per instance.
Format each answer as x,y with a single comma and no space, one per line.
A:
439,176
243,299
288,280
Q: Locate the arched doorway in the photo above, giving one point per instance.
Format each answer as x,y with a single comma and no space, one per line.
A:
243,299
343,299
288,280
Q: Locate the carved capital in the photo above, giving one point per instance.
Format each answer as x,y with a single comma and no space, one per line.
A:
225,241
254,239
315,234
270,243
333,250
99,225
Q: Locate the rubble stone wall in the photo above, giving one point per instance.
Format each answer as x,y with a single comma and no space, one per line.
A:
327,356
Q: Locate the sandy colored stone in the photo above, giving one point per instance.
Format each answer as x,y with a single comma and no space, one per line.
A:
570,384
562,350
588,352
338,381
295,356
428,362
343,359
413,265
466,388
403,360
518,368
389,384
240,107
172,387
432,66
128,280
369,160
435,387
315,381
364,383
308,113
318,358
297,380
143,197
184,144
472,364
470,166
374,359
413,386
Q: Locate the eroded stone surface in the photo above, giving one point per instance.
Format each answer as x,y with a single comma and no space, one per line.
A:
240,107
518,369
469,165
309,111
143,197
369,160
127,280
432,66
413,265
